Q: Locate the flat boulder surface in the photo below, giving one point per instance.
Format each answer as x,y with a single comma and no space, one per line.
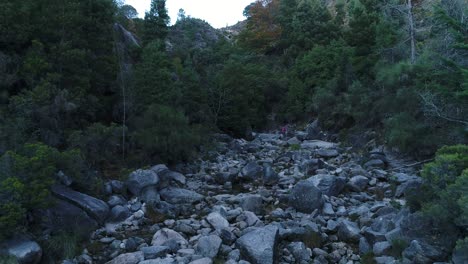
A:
96,208
259,245
180,196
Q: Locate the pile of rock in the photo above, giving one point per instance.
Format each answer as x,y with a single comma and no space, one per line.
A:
270,200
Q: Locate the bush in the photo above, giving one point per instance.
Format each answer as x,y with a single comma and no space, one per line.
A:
25,178
408,134
100,144
444,194
165,134
62,246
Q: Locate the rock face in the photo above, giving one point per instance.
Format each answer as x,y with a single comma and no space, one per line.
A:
26,251
259,245
140,179
305,197
94,207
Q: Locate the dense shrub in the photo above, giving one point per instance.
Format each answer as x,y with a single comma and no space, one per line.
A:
165,134
25,178
444,194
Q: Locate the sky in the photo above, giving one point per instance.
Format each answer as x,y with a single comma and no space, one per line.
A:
218,13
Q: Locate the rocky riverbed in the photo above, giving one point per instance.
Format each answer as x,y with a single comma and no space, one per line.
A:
274,199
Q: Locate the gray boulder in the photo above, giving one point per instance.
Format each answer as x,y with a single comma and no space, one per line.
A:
227,236
165,235
150,195
375,163
317,144
155,251
305,197
358,183
313,131
251,172
119,213
329,184
167,177
420,252
180,196
408,187
140,179
382,248
116,200
328,153
364,246
349,231
217,221
270,177
300,252
94,207
159,261
128,258
64,216
202,261
24,250
117,186
208,246
268,137
252,202
259,245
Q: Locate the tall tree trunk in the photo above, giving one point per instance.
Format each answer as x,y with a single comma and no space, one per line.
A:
411,32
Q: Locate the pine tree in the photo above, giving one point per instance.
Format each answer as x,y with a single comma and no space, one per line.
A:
156,21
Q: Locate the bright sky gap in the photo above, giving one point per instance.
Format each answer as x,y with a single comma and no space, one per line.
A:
218,13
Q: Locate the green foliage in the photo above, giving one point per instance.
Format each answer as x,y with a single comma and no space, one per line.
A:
164,134
25,179
156,21
368,258
99,143
153,83
398,246
444,193
295,147
4,259
62,246
405,132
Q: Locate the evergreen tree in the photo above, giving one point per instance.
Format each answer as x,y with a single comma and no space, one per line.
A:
156,21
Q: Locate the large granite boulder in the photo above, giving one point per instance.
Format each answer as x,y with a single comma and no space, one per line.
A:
140,179
251,172
24,250
208,246
329,184
96,208
128,258
305,197
259,246
66,217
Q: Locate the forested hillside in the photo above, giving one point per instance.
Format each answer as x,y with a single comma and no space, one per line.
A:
89,91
